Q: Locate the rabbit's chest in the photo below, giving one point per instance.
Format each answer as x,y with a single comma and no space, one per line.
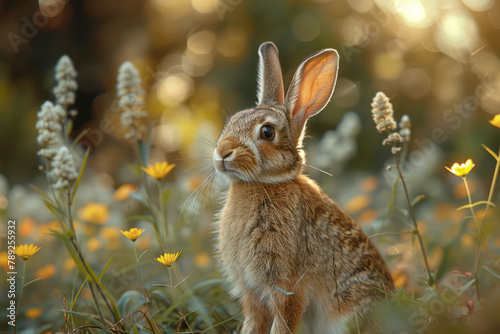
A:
256,241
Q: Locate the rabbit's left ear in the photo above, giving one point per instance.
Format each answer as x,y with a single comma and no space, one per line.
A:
269,81
311,89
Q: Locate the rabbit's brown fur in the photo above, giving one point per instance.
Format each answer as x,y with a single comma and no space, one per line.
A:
289,250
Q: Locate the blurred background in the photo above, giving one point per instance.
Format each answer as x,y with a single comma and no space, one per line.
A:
438,61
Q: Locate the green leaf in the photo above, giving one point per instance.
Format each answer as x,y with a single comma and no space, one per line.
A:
493,272
84,316
130,301
139,197
466,287
135,169
490,151
79,137
467,206
78,294
417,200
55,211
44,195
105,268
140,256
80,175
166,195
32,281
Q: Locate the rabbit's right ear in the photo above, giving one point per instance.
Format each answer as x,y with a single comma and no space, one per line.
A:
269,80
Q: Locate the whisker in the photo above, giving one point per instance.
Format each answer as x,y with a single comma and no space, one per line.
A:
319,170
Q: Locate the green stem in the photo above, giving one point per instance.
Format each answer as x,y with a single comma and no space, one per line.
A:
170,277
70,218
20,293
430,279
493,182
163,221
143,289
479,239
94,279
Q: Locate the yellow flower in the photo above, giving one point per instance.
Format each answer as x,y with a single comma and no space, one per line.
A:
94,212
94,244
26,251
168,258
46,272
132,234
159,170
123,192
462,169
496,121
26,226
33,313
202,260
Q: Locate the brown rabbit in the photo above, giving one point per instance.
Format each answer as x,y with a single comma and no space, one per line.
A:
289,250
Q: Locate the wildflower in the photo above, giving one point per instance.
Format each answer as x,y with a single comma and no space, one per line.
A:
392,139
26,226
462,169
123,192
49,128
94,212
496,121
94,244
168,258
131,100
46,272
133,234
33,313
202,260
159,170
405,127
26,251
66,83
63,168
383,113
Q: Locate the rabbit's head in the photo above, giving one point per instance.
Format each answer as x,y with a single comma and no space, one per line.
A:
264,144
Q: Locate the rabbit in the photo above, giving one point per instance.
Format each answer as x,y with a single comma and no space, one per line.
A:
289,251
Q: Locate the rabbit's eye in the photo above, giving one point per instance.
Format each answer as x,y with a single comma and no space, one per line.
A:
267,132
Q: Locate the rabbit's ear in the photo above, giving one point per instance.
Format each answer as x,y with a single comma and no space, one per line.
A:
269,81
311,89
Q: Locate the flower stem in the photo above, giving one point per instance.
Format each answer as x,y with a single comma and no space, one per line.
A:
20,293
493,182
170,277
430,279
479,238
144,290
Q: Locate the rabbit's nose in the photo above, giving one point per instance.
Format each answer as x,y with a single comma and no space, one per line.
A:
225,148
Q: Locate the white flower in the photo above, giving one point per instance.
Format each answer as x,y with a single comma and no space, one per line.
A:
405,126
63,168
130,100
393,138
383,113
49,128
66,83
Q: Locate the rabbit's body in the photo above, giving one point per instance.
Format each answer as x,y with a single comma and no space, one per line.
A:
289,250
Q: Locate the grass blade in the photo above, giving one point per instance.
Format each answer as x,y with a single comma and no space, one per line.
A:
80,175
490,151
105,268
84,316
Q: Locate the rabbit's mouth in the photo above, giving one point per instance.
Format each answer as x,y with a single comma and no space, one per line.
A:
234,166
